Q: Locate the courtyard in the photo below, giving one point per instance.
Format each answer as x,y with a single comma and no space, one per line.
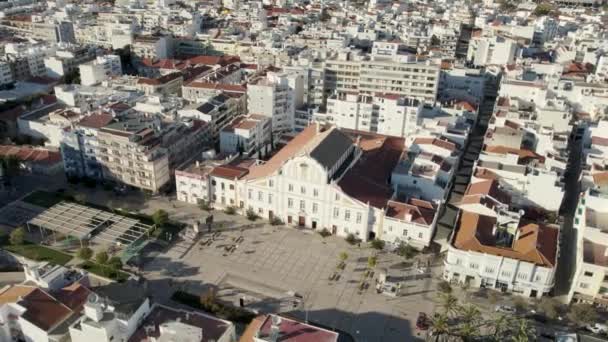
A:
283,269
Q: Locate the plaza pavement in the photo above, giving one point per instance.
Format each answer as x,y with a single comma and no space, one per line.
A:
270,264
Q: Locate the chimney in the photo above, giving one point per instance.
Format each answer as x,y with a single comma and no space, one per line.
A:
275,328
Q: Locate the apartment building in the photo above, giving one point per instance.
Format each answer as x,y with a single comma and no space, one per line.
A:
277,96
493,247
151,47
67,60
248,135
218,111
401,75
79,147
130,152
99,70
494,50
6,76
382,113
590,282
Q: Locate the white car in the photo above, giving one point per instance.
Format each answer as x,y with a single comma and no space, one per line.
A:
597,328
505,309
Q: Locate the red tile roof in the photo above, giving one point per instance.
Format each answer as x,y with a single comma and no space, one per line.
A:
96,120
600,178
534,243
411,212
229,172
490,188
31,154
43,310
367,180
524,155
294,331
450,146
595,140
73,296
284,154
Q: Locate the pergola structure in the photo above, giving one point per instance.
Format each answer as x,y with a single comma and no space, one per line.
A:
89,224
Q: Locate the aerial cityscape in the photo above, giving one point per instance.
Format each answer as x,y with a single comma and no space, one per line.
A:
303,170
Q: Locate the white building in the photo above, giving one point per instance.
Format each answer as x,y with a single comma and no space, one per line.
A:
325,178
248,135
492,50
6,75
99,70
492,248
277,96
112,313
590,282
383,113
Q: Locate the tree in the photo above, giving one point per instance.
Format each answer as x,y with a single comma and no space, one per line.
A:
582,314
251,215
440,325
377,244
448,303
85,253
543,9
549,307
343,256
351,239
499,326
17,236
10,164
80,198
435,41
115,263
471,317
101,257
406,250
372,261
444,287
204,205
520,304
160,217
523,331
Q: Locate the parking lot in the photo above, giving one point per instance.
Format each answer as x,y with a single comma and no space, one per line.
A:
288,270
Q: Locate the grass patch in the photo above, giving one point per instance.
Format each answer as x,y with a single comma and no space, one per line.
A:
107,272
39,253
46,199
216,308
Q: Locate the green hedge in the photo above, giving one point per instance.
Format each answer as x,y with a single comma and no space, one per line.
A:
104,271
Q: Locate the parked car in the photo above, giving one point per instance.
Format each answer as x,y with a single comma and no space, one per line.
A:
505,309
597,328
422,322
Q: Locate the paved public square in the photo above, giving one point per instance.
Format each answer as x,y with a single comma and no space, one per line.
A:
272,264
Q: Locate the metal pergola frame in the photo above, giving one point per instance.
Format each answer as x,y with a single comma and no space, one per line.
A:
79,221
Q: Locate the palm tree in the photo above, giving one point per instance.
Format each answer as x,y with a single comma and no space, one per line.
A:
522,331
471,317
499,326
440,326
449,303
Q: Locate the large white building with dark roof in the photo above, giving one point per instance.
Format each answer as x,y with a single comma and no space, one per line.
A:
328,178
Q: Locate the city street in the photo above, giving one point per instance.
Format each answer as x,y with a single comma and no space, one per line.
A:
566,259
